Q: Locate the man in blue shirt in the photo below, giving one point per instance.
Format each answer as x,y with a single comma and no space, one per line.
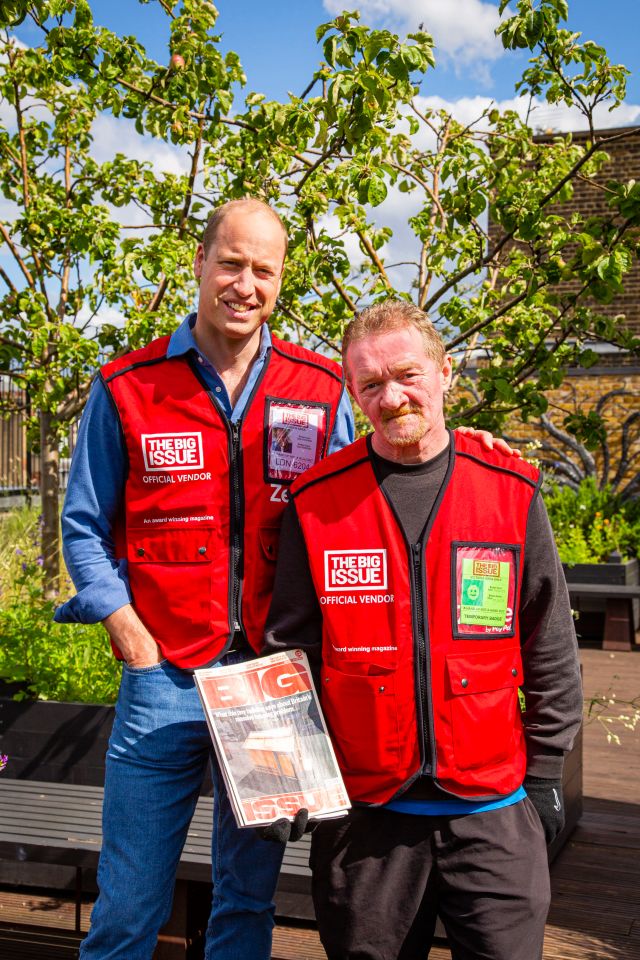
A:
160,744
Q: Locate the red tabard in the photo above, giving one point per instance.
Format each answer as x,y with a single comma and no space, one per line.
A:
421,645
201,493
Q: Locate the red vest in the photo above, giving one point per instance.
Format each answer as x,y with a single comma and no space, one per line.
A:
204,498
421,647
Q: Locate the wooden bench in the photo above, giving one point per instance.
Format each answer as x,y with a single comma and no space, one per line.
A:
61,824
58,823
619,633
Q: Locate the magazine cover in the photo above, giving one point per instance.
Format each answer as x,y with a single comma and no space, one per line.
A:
271,739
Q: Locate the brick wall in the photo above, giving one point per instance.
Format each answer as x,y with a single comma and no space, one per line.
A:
591,200
614,392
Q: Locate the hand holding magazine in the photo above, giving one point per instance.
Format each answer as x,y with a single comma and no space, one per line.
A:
271,739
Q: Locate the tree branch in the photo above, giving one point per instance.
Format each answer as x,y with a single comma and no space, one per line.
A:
14,250
288,312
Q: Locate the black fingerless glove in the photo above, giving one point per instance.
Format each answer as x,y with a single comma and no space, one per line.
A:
546,796
287,831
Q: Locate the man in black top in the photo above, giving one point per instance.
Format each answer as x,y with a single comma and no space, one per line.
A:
475,854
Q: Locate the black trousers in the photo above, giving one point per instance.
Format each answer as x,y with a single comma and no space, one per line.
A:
380,879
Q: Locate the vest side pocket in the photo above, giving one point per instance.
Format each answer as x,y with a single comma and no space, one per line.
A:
362,716
170,574
485,712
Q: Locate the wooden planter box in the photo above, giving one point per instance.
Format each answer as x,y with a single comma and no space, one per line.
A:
53,741
590,624
58,743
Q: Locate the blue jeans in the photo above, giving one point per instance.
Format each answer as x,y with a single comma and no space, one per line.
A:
157,757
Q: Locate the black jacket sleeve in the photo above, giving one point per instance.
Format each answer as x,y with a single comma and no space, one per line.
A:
295,617
552,686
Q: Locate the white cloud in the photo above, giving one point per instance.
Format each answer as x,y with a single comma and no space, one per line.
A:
116,135
106,314
463,30
542,115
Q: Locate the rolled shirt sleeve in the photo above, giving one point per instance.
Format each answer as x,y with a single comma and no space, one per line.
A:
94,495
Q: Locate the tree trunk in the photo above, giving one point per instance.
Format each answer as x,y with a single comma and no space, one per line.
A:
49,492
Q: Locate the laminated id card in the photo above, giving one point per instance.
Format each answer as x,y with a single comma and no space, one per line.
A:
485,577
295,437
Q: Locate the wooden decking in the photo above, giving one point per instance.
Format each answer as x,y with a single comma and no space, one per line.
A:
595,913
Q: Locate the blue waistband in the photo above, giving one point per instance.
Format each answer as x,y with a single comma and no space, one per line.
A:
452,806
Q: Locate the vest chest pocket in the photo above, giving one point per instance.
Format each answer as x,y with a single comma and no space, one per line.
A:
362,715
485,712
170,573
170,546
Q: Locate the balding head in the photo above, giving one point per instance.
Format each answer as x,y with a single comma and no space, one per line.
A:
245,204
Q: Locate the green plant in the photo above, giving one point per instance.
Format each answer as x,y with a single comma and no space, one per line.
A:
590,524
611,714
54,661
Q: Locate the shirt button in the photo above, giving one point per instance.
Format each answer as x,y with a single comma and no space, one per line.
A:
464,683
200,359
218,389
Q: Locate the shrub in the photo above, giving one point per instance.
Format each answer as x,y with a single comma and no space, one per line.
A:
590,524
54,661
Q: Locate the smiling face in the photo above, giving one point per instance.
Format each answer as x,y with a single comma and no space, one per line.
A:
401,389
240,279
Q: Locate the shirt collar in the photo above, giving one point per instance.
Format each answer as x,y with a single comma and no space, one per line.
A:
182,340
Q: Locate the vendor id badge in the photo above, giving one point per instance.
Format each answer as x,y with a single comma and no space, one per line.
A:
485,577
295,437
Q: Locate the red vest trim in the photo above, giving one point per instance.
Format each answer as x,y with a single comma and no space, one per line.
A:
421,644
204,498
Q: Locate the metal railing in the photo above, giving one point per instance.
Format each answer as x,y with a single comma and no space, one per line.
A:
19,466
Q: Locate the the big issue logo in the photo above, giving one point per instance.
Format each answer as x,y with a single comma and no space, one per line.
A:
349,574
165,454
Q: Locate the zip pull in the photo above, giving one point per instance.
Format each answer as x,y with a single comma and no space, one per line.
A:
417,553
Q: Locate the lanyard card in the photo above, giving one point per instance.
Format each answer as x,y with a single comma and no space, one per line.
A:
485,576
295,437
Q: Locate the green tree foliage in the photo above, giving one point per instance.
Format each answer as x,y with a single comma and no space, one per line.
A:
327,159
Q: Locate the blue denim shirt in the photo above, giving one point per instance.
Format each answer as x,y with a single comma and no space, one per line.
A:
97,477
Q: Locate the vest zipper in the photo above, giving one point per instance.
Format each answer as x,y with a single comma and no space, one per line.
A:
236,519
418,580
235,477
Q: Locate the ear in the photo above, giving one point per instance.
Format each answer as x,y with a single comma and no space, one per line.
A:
446,373
198,261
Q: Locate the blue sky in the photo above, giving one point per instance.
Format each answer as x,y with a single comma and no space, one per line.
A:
276,40
277,47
